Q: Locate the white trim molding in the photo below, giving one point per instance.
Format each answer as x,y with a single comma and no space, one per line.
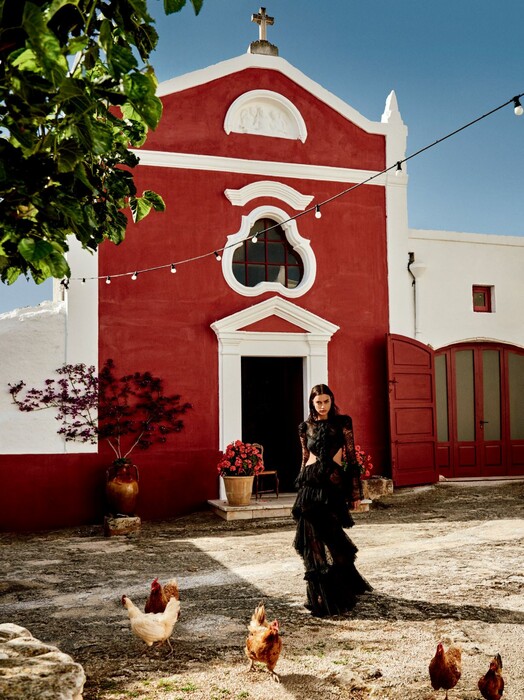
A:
301,247
310,341
269,188
265,113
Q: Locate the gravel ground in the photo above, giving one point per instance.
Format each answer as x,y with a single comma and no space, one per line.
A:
445,563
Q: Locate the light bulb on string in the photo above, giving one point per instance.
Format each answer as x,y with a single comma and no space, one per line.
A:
83,280
108,280
217,256
318,213
398,171
254,239
134,276
173,268
518,109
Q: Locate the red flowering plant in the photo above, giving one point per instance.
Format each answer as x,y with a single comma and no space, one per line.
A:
241,459
364,462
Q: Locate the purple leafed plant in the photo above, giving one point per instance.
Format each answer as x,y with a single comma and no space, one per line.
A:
127,412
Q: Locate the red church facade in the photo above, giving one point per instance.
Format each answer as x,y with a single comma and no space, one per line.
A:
166,320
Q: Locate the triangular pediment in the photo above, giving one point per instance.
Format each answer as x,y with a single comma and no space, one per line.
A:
301,319
276,63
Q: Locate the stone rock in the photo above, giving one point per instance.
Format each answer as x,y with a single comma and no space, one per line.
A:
377,486
30,669
121,526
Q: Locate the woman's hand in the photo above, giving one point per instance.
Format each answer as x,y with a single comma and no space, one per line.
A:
335,477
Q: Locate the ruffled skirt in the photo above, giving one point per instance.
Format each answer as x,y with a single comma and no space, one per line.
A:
321,513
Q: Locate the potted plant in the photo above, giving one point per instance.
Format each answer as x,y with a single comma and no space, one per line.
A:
238,465
127,412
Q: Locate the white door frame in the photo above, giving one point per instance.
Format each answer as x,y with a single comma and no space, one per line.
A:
310,342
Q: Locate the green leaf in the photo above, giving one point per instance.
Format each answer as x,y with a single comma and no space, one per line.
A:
11,274
141,206
25,60
120,59
144,105
155,200
44,43
33,250
171,6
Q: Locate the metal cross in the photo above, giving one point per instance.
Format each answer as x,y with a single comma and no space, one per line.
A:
262,20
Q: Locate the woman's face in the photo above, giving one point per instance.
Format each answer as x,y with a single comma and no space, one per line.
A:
322,404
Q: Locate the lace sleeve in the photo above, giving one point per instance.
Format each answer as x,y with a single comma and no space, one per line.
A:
302,433
350,457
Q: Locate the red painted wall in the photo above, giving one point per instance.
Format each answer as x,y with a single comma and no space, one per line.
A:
161,321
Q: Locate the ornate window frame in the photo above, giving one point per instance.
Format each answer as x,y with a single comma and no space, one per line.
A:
301,246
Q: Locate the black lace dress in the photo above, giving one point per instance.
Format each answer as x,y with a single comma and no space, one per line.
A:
321,512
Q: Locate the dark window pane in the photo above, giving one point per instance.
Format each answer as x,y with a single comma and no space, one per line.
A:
240,273
255,275
256,251
239,254
276,253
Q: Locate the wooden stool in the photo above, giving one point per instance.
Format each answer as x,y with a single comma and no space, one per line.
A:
258,483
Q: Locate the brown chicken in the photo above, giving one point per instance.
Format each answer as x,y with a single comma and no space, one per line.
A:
153,627
445,668
491,685
263,643
160,595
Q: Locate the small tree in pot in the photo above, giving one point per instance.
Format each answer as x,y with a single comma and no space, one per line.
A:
127,412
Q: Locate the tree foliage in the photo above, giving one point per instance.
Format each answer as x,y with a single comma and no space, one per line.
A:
77,92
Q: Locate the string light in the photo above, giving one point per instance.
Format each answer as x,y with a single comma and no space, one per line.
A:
518,109
83,280
254,239
134,276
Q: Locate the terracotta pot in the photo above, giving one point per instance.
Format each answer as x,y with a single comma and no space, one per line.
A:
238,489
122,489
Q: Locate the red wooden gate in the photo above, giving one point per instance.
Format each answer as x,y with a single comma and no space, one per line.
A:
412,412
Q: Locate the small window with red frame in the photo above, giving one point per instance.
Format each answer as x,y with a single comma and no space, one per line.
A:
482,298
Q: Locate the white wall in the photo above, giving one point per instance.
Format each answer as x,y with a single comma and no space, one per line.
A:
34,342
449,265
31,347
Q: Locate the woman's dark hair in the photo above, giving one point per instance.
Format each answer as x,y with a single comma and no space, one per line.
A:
317,390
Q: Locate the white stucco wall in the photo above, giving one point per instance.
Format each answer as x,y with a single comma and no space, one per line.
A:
34,342
449,264
31,347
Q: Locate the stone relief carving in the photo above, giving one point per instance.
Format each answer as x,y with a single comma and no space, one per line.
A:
265,113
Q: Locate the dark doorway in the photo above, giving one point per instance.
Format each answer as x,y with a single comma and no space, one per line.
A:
272,408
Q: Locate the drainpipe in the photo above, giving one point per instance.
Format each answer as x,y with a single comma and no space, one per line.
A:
415,270
411,260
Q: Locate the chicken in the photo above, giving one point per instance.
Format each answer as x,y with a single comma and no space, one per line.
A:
491,685
445,668
153,627
263,643
160,595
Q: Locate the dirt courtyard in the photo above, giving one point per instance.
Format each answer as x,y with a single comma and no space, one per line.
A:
445,562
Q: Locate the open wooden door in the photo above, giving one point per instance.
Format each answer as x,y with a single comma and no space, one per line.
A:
412,411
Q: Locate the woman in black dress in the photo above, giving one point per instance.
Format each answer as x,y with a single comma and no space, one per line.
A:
326,490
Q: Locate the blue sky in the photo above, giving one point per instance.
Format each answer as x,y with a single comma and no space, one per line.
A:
449,62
